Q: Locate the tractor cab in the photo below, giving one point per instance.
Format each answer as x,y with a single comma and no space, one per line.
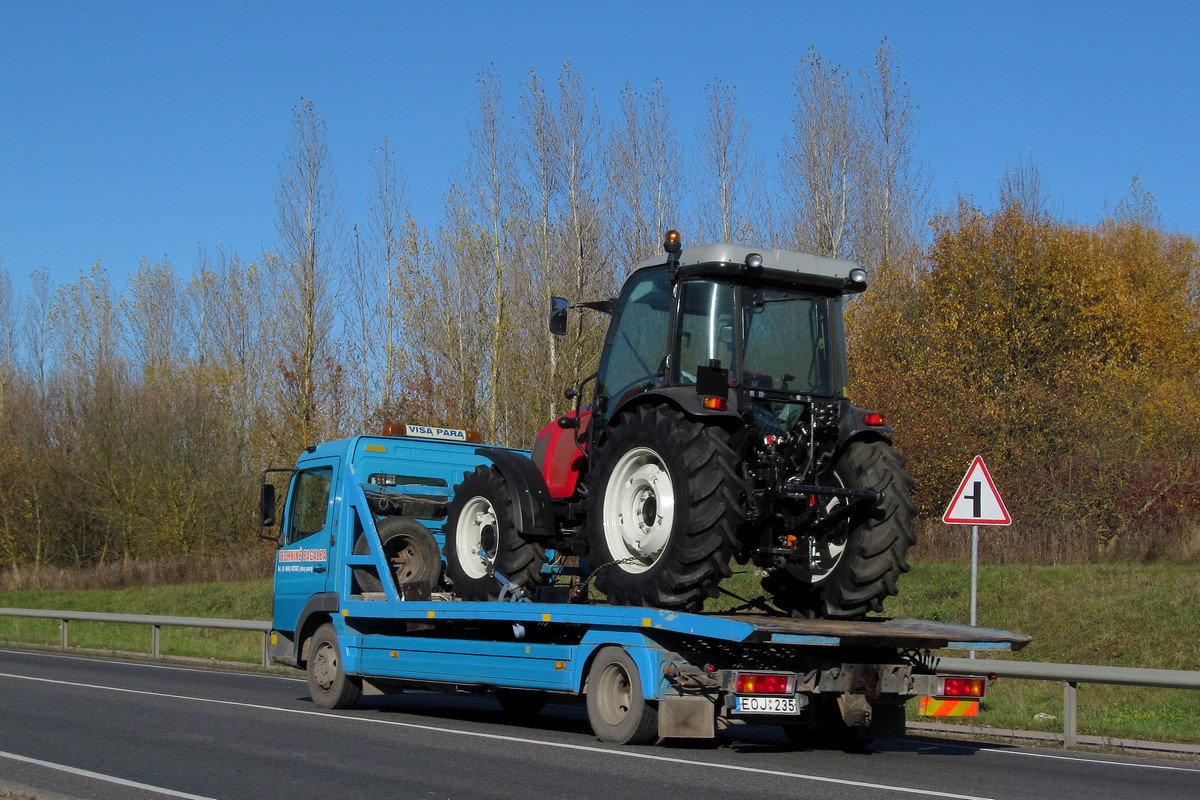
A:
727,329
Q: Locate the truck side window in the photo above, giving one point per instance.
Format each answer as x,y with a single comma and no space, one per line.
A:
310,503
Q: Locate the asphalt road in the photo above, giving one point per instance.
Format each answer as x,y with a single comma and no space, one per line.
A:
80,727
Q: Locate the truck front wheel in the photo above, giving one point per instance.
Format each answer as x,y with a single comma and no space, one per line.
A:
617,709
481,537
328,683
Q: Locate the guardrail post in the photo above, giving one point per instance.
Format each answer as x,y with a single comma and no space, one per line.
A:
266,662
62,634
155,633
1070,713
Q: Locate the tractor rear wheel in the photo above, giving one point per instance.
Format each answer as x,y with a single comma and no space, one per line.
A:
664,510
858,564
482,538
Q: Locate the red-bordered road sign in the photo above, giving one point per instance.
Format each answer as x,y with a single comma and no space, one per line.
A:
977,501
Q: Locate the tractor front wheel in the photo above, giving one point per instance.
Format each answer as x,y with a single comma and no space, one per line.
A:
482,538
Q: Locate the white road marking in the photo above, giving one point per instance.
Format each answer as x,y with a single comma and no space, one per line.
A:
99,776
1084,759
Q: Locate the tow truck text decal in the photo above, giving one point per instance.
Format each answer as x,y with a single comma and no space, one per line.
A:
307,555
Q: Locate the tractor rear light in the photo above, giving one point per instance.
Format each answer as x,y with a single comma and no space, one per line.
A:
764,683
961,687
716,403
874,419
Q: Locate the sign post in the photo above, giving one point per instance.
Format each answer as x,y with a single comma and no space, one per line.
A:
977,502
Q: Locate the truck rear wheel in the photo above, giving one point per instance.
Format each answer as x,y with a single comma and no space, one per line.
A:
617,709
860,564
481,520
328,683
664,510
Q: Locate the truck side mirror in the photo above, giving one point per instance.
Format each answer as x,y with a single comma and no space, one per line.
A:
558,316
266,512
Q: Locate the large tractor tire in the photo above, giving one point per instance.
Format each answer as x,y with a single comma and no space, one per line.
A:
481,519
664,510
861,562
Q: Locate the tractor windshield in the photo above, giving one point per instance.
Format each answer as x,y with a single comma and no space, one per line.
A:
792,341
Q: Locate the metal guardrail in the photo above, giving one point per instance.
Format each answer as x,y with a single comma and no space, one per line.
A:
1070,674
156,624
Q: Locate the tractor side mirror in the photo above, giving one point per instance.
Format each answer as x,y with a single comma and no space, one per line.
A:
558,316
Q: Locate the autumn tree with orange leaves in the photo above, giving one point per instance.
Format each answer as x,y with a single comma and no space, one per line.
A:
1068,355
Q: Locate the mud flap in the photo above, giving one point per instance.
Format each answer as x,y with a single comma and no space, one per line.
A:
687,717
880,721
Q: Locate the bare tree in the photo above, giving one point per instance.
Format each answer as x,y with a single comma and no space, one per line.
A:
386,223
311,237
645,175
1022,187
9,326
491,180
151,319
895,183
819,173
729,174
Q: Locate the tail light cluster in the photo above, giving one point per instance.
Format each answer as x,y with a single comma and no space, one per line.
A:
764,683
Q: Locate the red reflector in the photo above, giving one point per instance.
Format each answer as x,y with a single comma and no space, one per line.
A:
962,687
751,683
874,419
716,403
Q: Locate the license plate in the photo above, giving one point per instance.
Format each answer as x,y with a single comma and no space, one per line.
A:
745,704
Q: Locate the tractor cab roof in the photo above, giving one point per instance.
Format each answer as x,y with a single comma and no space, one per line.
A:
747,264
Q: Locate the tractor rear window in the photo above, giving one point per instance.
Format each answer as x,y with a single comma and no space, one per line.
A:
787,342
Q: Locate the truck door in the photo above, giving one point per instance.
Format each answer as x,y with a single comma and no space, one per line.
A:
302,565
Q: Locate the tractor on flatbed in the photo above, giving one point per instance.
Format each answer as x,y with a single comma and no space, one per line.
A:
718,430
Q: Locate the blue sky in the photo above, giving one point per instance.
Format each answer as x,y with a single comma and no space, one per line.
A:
154,129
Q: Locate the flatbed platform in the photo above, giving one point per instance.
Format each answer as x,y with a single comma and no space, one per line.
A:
910,634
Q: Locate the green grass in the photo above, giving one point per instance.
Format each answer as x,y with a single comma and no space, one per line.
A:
233,600
1105,614
1110,614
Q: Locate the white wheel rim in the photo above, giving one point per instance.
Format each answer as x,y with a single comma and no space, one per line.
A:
639,510
477,520
835,549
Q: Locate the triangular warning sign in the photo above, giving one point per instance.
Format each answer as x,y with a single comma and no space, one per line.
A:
977,501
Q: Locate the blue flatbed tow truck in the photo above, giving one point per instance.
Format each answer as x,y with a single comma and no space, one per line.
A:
361,605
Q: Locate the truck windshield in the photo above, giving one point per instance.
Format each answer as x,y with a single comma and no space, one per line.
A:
788,341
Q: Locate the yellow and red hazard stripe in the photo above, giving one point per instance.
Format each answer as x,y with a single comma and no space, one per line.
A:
935,707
